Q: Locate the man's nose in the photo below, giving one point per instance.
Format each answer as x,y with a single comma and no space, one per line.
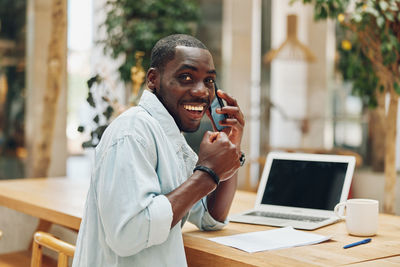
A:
200,90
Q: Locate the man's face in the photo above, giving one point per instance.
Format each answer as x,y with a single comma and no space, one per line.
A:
186,86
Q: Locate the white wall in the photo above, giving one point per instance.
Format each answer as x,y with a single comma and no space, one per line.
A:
368,184
298,88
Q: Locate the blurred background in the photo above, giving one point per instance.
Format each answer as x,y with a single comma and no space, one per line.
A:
304,85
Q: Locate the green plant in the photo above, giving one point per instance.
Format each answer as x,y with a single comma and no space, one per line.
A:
131,27
137,25
370,57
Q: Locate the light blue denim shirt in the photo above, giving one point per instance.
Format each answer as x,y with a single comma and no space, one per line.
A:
127,219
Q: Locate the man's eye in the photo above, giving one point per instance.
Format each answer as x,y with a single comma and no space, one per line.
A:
210,80
185,77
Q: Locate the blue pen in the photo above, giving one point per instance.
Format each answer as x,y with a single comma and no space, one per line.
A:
365,241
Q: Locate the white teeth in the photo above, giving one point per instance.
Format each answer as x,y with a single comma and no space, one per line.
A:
194,108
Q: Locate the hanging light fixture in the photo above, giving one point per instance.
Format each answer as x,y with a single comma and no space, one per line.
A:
291,48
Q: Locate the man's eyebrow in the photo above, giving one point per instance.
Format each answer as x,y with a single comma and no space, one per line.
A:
186,66
212,72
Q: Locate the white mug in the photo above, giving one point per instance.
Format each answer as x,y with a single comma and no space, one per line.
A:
361,216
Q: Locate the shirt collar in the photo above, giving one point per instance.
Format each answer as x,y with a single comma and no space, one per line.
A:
156,109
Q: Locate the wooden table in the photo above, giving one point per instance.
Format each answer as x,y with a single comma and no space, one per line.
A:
384,248
55,200
61,201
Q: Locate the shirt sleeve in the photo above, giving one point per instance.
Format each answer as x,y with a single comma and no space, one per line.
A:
134,213
200,217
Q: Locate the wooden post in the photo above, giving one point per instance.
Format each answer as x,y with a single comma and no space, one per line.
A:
390,153
54,83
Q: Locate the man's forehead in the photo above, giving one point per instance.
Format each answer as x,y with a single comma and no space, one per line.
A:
192,56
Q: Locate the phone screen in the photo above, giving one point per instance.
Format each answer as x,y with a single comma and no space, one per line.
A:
217,103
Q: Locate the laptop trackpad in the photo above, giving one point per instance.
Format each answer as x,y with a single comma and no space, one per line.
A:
269,221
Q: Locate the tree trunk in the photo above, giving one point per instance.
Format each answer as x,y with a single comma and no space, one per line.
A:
376,139
55,67
390,155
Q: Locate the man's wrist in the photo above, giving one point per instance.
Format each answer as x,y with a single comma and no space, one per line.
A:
209,171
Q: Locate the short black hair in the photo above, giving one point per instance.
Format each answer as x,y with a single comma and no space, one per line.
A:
164,49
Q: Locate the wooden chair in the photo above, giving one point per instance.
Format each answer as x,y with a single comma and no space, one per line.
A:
34,258
42,239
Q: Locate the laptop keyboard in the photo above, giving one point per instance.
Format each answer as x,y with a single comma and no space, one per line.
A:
287,216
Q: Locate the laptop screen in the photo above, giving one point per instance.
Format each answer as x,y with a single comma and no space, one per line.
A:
305,184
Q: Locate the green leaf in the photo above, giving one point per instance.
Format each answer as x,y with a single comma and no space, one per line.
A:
396,87
357,17
96,119
90,100
393,7
88,144
108,112
380,21
100,130
389,16
92,80
383,5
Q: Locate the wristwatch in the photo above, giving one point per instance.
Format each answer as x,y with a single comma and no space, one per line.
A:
242,159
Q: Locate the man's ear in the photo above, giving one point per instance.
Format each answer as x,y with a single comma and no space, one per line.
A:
153,79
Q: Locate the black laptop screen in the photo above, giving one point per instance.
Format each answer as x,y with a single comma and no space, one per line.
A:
305,184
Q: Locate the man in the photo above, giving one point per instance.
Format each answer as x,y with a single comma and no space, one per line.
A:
143,186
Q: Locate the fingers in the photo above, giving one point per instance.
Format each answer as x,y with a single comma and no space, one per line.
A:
232,112
231,123
231,101
211,137
232,109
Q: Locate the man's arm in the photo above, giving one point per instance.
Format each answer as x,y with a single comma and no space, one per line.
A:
219,201
217,153
222,161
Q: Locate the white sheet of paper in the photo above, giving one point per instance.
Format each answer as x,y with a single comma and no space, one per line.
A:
268,240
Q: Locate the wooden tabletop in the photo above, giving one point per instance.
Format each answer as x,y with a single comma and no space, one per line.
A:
57,200
61,201
202,252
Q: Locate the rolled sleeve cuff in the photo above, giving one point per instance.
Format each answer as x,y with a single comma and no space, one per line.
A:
160,212
210,224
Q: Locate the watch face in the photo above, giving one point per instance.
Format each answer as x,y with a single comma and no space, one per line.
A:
242,159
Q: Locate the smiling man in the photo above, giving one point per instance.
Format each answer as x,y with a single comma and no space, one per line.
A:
146,180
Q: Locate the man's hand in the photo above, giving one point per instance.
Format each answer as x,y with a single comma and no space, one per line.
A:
234,122
219,153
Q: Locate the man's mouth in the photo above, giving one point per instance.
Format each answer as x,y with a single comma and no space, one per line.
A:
195,111
194,107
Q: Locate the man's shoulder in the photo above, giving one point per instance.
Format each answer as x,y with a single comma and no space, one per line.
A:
135,123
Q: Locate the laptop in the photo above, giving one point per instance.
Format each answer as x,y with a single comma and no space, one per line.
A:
300,190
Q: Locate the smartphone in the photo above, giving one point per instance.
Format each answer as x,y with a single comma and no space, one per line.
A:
217,103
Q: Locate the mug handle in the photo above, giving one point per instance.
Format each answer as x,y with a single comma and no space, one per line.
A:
336,210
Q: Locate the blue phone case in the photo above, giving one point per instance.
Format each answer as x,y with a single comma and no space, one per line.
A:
217,117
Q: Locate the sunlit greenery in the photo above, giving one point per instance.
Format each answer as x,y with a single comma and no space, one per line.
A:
372,28
137,25
132,26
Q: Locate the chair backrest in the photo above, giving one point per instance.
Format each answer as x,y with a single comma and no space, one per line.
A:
42,239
